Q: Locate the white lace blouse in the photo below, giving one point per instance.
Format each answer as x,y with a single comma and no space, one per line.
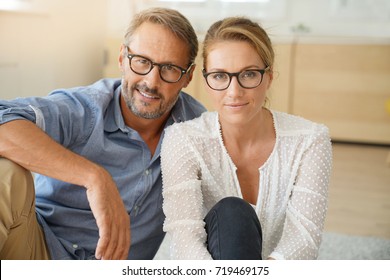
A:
293,188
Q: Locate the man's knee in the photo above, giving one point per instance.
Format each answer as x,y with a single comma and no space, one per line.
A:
11,172
9,167
16,187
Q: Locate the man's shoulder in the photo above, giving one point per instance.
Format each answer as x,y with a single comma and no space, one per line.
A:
204,126
188,107
100,87
99,93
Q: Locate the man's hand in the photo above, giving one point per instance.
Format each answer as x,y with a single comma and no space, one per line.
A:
111,218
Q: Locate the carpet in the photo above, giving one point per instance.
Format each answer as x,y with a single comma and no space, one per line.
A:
334,246
337,246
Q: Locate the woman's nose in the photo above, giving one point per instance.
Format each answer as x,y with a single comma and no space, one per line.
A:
234,89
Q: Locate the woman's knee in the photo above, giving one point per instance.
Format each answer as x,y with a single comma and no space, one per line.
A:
233,230
233,215
230,207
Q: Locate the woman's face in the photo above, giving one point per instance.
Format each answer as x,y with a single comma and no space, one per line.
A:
236,104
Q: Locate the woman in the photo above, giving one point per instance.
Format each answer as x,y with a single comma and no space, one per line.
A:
244,165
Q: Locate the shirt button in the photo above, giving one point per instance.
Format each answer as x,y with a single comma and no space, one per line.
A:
147,171
75,246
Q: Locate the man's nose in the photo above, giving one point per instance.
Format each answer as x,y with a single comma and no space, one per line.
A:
153,78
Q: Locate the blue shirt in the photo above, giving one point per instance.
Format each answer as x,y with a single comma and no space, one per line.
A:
88,121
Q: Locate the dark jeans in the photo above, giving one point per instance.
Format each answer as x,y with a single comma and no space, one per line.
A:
233,231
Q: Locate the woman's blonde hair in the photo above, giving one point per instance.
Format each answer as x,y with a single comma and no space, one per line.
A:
240,29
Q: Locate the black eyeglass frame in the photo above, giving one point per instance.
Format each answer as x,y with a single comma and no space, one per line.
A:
160,66
235,74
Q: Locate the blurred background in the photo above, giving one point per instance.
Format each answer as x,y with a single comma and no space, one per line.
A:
332,66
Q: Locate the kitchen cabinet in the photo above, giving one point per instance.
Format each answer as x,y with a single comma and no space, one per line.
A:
346,87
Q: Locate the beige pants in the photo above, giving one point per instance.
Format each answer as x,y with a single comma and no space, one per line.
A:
21,236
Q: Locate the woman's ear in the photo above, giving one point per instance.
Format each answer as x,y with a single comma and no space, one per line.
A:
271,77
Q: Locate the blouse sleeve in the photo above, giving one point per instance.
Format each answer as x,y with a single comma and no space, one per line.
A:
183,200
307,205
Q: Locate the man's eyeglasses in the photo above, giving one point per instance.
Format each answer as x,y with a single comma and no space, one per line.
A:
249,78
169,73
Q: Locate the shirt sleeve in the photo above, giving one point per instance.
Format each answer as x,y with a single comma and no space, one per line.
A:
18,109
64,117
307,205
183,199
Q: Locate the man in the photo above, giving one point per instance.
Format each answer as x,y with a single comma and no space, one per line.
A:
96,152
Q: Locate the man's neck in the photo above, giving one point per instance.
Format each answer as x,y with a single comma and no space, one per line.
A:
149,129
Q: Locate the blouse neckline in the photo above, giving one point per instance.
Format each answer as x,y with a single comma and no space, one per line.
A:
267,162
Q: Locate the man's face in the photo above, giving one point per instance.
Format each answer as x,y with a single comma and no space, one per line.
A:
148,96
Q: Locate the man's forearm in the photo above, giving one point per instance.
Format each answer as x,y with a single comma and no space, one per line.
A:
26,144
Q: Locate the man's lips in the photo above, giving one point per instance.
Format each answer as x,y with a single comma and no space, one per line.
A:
147,95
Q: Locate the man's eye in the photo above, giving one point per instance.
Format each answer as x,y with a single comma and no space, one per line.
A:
140,60
171,68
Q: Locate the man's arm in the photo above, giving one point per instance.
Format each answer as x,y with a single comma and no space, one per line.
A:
24,143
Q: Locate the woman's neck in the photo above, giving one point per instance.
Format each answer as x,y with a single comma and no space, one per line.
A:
244,136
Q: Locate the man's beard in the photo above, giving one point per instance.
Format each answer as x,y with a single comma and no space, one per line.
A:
165,105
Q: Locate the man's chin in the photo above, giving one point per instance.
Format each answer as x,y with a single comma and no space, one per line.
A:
147,115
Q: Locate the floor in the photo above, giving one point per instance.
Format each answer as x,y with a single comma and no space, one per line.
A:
359,192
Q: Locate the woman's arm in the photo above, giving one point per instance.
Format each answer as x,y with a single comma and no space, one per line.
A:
307,205
183,200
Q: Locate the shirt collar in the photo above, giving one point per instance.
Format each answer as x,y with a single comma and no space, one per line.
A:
113,118
178,111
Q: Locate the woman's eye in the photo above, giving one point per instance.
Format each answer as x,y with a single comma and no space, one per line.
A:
219,76
249,74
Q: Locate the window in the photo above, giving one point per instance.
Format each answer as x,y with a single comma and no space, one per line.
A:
12,5
30,6
202,13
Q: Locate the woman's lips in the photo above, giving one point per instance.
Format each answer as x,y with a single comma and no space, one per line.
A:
236,105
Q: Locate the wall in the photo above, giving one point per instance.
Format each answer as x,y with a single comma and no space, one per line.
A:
51,44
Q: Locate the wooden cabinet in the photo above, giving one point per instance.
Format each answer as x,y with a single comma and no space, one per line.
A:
346,87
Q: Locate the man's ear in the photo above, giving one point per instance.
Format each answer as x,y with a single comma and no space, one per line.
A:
189,75
121,58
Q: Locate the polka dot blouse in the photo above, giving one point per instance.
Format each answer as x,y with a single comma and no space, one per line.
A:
293,188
